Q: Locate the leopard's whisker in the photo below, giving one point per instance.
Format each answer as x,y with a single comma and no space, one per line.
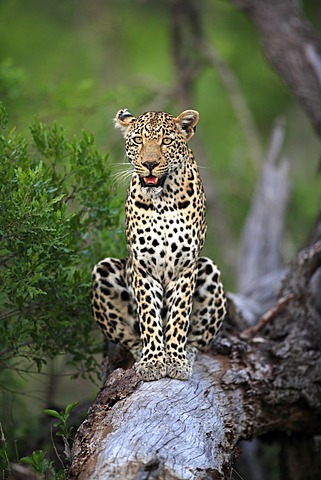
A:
203,167
122,176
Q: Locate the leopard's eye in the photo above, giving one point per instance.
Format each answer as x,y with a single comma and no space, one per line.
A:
138,140
167,141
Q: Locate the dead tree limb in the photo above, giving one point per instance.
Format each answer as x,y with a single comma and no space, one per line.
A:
260,252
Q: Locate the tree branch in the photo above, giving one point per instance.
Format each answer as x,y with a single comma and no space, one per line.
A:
261,241
292,47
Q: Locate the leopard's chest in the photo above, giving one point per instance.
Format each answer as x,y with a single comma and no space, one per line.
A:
166,233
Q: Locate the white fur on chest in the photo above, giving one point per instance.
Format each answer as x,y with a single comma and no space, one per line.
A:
165,240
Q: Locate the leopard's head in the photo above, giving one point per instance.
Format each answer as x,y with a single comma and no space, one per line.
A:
156,144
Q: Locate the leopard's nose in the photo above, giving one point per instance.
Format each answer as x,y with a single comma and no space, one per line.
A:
150,165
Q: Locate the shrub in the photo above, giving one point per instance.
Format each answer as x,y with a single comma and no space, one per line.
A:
56,200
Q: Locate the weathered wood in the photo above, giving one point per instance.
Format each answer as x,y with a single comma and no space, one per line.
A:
260,253
165,427
260,268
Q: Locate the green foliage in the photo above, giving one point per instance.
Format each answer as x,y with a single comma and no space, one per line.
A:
63,429
38,462
55,199
11,80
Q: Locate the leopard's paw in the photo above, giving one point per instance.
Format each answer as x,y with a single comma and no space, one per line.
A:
149,370
191,353
179,369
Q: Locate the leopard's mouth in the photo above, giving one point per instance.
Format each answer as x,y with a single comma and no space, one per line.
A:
151,181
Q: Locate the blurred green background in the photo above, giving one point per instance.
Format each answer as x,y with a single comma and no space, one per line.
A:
76,62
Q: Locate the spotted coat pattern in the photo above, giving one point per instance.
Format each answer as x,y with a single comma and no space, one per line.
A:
163,302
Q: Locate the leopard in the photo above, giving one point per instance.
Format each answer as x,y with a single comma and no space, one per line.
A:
163,302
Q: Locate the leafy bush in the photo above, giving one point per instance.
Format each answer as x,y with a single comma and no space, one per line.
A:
56,198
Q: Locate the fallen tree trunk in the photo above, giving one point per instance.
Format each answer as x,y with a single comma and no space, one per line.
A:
266,378
170,428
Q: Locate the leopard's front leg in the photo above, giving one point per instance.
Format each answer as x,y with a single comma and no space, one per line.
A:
148,293
179,298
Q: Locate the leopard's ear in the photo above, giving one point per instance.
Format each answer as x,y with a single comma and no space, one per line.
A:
187,122
123,119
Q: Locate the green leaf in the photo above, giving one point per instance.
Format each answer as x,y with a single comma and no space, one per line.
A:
27,460
70,406
53,413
